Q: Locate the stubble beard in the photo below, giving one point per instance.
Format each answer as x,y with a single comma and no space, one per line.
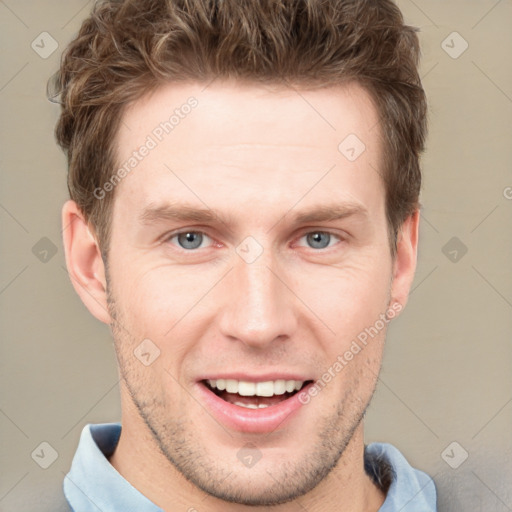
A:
174,438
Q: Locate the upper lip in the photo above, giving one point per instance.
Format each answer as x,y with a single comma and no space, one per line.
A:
256,378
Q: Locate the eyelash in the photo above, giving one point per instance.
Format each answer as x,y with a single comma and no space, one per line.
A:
171,236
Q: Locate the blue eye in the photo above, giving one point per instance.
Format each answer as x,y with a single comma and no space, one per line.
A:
189,239
319,239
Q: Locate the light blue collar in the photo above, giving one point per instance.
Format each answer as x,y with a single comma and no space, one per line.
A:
94,485
411,490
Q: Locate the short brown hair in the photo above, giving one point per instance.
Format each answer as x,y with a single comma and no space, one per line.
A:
125,49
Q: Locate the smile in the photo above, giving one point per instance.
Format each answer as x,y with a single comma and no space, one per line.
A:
253,407
254,395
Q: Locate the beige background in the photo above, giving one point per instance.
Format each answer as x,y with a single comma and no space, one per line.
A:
447,373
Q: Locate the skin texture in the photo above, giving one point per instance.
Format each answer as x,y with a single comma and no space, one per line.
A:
256,157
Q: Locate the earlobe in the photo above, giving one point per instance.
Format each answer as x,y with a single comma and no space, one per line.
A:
404,266
84,262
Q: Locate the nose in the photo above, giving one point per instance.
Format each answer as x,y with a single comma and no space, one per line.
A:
257,306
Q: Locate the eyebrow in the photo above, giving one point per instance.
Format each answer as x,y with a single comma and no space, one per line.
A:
327,213
177,213
185,213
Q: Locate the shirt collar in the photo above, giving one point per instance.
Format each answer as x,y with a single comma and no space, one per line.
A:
94,485
410,490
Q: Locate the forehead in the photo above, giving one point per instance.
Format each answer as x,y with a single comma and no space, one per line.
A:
246,142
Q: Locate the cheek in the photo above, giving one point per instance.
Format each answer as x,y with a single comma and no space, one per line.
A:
151,342
156,298
347,298
158,304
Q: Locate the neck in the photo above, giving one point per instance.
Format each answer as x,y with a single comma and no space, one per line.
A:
139,460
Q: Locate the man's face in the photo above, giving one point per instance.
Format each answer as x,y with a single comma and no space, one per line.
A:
267,286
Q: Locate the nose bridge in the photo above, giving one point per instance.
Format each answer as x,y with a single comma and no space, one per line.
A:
258,308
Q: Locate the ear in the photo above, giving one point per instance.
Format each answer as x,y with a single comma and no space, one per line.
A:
84,261
404,265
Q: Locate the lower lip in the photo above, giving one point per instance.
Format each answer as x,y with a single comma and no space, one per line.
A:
254,421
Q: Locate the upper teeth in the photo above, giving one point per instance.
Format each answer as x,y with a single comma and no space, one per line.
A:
267,388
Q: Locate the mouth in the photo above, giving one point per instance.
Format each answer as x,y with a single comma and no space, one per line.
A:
251,407
255,395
